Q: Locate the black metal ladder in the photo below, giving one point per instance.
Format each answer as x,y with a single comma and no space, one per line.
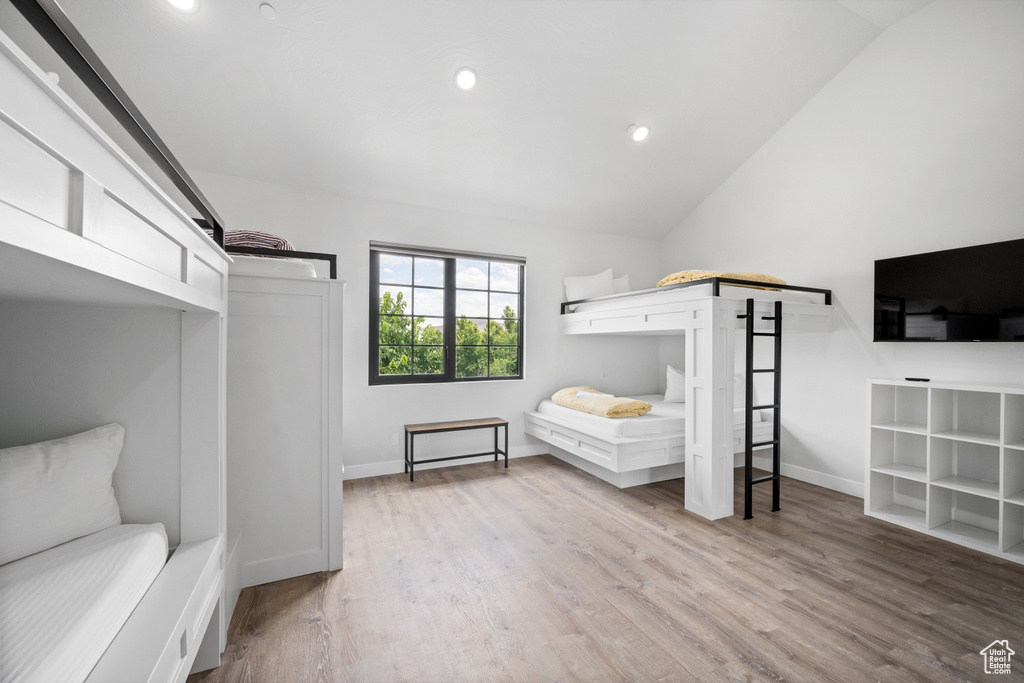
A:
748,461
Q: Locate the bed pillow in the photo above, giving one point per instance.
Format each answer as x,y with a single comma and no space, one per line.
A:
620,285
675,386
56,491
588,286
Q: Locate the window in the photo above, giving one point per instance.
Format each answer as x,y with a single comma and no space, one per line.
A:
439,316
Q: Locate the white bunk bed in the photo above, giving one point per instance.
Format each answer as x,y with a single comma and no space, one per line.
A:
112,309
705,313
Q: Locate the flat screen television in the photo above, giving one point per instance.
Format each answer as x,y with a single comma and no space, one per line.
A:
969,294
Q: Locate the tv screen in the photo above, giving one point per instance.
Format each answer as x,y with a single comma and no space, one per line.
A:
969,294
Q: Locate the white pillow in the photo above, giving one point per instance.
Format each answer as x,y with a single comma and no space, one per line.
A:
588,286
675,386
56,491
620,285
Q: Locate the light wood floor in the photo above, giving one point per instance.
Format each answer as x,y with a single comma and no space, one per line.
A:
543,573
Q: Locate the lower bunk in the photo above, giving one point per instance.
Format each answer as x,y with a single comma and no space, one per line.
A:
629,451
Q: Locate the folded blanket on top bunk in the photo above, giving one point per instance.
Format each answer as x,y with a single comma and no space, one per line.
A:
597,403
691,275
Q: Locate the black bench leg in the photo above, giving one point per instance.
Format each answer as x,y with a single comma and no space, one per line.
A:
506,444
412,455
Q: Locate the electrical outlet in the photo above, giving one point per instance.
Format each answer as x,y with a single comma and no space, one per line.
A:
394,439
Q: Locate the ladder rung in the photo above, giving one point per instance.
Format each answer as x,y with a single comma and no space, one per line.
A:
767,406
764,443
767,317
764,370
761,480
764,334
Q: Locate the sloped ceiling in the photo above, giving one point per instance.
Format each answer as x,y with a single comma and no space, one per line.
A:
358,97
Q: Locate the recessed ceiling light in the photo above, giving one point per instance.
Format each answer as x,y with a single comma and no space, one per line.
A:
638,133
465,79
268,11
187,6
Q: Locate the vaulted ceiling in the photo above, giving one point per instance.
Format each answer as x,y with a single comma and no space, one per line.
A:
358,97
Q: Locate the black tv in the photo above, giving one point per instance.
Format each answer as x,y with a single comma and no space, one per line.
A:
969,294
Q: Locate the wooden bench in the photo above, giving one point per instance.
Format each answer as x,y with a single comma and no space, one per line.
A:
453,426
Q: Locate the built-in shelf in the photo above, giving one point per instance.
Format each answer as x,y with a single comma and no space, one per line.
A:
904,471
947,460
972,437
969,485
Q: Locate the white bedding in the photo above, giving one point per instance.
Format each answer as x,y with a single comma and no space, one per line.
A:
273,267
668,296
61,608
664,418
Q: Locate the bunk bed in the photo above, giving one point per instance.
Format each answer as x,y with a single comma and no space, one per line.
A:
112,309
709,313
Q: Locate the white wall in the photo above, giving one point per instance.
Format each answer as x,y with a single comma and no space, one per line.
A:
318,221
917,145
68,368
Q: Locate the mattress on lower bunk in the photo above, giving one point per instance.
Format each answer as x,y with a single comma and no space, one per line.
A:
272,267
668,296
61,608
664,418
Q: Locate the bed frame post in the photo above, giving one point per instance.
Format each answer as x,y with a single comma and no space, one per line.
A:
710,334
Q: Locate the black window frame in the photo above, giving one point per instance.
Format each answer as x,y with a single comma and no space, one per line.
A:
448,346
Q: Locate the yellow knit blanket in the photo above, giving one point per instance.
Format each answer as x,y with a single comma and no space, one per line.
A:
691,275
605,406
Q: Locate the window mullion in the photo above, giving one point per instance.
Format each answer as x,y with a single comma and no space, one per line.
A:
449,319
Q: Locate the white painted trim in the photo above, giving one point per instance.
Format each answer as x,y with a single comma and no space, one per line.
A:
377,469
828,481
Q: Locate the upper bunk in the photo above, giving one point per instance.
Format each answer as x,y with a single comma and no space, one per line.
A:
79,220
664,310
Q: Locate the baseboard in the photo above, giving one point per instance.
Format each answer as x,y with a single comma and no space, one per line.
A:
377,469
828,481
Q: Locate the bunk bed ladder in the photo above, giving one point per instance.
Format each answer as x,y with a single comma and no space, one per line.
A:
748,462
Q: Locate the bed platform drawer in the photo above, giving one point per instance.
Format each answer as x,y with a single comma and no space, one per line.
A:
160,640
69,196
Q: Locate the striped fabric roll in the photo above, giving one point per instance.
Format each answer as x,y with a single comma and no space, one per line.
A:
254,238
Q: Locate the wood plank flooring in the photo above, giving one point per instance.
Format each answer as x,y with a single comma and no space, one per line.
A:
543,573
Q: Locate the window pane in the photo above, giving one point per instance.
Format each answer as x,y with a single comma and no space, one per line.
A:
429,360
429,272
470,332
471,361
394,360
470,304
395,300
470,274
429,331
427,301
394,330
504,362
396,269
499,302
504,332
505,277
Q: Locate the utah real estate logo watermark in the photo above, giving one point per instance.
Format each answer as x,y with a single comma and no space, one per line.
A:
997,656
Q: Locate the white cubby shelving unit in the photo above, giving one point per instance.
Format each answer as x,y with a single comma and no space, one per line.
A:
947,459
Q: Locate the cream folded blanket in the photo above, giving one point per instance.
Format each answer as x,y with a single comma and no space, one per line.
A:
691,275
605,406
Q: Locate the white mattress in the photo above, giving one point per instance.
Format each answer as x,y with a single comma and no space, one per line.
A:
61,608
664,418
668,296
274,267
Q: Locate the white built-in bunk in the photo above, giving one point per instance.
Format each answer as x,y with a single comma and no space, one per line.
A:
112,309
705,314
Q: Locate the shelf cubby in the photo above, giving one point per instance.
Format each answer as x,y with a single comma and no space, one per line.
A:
965,415
1013,421
899,500
965,466
899,453
1013,530
964,518
900,408
947,459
